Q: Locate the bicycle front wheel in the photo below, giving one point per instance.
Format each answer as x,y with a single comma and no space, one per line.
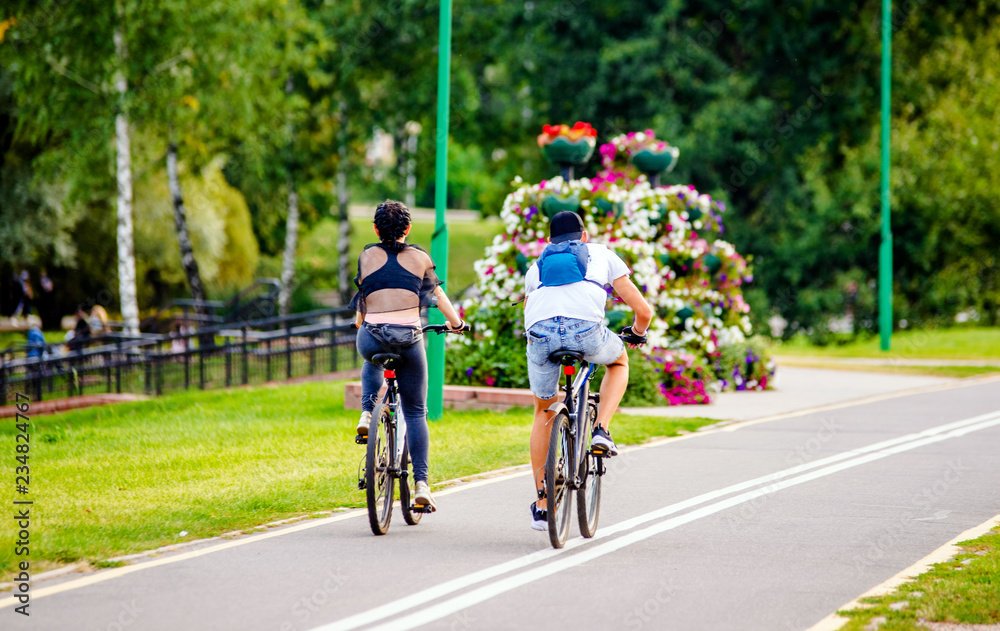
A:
380,483
588,496
557,480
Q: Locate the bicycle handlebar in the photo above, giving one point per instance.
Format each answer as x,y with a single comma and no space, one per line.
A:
441,328
629,337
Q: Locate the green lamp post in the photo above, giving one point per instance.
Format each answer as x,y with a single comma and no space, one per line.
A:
439,242
885,248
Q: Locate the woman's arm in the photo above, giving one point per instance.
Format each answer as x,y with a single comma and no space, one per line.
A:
444,304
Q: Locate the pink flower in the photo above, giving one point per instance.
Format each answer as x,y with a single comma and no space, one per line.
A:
490,381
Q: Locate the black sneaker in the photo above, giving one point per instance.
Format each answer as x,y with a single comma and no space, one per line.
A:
539,518
601,441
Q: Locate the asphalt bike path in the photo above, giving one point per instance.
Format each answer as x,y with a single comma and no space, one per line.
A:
754,526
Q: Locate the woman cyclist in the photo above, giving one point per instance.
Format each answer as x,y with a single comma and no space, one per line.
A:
394,281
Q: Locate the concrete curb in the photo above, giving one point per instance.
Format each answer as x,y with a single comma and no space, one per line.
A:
834,621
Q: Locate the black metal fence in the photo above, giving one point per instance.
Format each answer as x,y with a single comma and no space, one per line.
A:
217,357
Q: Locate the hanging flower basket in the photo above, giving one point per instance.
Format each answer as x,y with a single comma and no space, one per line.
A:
656,158
553,204
565,151
609,209
616,319
522,263
684,315
562,144
712,263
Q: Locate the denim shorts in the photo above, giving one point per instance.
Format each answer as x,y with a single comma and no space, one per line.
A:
596,341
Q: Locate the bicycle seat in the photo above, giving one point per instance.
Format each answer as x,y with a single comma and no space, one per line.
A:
388,361
564,357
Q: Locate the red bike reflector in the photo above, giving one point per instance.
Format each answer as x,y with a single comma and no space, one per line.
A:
390,374
569,370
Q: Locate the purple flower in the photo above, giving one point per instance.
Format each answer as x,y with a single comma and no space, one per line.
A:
468,372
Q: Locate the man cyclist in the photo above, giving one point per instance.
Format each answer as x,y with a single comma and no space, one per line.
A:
570,316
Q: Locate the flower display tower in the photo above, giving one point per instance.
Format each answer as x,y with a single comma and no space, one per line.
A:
670,237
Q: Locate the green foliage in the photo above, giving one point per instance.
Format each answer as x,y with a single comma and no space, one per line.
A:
744,366
774,111
219,225
493,357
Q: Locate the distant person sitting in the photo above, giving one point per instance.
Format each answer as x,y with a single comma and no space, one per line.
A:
99,321
36,342
81,333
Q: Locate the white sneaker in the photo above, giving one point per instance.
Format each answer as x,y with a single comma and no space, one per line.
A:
423,496
539,518
364,422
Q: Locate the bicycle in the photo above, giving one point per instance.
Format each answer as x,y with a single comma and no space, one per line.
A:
571,465
387,457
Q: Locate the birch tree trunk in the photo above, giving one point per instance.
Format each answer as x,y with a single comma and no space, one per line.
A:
291,231
126,253
344,242
188,262
291,240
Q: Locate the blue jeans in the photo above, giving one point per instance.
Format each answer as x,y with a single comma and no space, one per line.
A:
596,341
411,378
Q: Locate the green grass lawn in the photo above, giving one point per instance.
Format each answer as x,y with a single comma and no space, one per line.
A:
118,479
955,343
466,244
963,590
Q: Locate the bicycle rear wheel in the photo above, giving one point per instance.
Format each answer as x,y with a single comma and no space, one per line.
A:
405,499
588,496
379,482
557,479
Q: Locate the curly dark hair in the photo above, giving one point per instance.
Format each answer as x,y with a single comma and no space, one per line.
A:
391,218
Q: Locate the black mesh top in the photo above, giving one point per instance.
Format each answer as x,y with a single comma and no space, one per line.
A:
394,277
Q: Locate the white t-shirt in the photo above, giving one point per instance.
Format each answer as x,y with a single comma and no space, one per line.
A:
582,300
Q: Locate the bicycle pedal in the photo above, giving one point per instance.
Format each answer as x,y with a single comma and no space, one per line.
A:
417,508
361,440
361,485
599,452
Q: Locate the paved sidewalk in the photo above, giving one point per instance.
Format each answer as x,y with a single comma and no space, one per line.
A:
797,389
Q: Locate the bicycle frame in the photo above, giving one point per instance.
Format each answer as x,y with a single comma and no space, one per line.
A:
577,390
391,400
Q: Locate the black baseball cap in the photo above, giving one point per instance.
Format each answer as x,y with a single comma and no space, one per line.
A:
565,226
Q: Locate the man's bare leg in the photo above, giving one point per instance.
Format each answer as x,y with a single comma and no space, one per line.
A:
540,433
612,389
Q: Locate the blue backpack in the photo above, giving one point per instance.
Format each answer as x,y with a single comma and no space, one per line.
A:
563,264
